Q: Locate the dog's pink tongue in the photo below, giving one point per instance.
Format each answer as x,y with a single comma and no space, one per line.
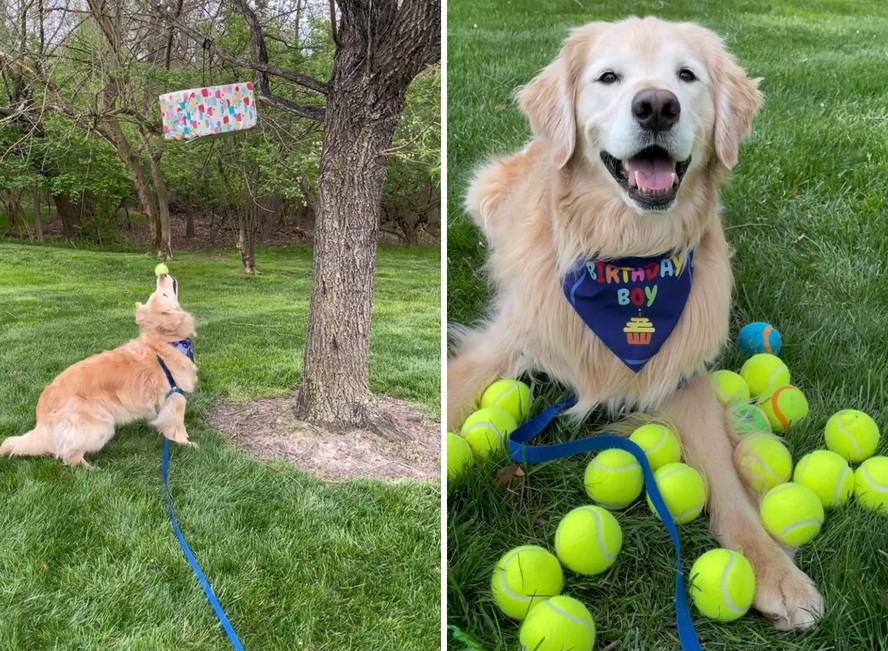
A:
652,174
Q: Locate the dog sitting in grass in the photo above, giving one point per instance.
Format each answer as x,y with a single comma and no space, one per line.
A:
144,379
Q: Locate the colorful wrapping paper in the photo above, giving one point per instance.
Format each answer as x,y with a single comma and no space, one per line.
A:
197,112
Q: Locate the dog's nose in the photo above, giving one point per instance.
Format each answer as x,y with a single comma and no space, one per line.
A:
656,109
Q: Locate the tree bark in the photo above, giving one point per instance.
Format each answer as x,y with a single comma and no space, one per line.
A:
38,221
68,213
381,46
163,234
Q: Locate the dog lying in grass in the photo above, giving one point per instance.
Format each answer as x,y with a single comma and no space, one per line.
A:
610,268
144,379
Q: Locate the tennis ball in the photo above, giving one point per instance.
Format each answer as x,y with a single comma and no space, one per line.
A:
524,578
828,475
683,490
161,269
559,624
487,431
660,444
759,337
511,396
459,456
763,462
613,479
785,406
722,584
853,434
871,484
764,373
792,513
588,540
748,419
729,387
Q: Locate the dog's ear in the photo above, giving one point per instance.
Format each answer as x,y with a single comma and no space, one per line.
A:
737,100
141,314
549,99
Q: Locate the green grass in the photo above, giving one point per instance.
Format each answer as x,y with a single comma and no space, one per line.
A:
89,559
806,213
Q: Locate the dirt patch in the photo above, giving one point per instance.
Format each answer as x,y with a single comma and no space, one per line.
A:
408,448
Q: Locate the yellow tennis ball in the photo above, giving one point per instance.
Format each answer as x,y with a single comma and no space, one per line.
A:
487,431
524,578
588,540
748,419
660,444
783,407
828,475
763,462
730,387
852,434
559,624
683,490
511,396
764,373
161,269
614,479
722,584
792,513
871,484
459,456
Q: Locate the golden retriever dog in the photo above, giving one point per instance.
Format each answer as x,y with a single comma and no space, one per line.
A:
636,124
78,412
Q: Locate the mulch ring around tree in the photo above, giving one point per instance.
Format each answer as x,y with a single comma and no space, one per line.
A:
407,447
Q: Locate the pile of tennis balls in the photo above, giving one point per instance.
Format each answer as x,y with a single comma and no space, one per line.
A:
504,406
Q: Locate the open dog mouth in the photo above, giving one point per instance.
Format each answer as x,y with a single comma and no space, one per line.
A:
651,177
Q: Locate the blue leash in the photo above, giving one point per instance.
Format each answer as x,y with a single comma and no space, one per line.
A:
232,636
523,453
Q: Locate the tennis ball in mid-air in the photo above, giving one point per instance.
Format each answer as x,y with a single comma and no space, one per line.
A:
459,456
828,475
748,419
764,373
558,624
660,444
588,540
759,337
722,584
683,490
511,396
614,479
763,462
729,387
783,407
524,578
853,434
487,431
161,269
792,513
871,484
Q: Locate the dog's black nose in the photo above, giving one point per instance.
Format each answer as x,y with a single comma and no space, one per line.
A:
656,109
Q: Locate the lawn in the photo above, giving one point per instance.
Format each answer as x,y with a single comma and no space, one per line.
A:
88,558
807,215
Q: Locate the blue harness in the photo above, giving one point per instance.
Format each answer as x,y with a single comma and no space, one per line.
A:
184,347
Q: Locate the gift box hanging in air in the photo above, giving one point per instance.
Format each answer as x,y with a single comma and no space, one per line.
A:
196,112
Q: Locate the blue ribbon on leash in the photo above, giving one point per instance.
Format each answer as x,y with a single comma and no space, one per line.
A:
232,636
523,453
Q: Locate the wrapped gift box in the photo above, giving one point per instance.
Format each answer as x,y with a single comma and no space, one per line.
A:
208,111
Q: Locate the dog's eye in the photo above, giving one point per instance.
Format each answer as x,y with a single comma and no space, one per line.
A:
686,74
608,77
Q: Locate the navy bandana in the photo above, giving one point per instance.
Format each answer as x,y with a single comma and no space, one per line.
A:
184,347
631,304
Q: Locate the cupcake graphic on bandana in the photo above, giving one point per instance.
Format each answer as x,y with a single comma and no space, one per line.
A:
639,330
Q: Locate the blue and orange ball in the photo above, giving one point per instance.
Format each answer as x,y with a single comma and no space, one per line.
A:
759,337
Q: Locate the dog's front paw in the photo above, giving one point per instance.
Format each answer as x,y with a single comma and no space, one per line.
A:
785,595
177,435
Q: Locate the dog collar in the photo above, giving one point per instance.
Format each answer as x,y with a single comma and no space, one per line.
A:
184,347
631,304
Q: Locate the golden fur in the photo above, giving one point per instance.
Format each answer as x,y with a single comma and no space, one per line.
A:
554,203
78,412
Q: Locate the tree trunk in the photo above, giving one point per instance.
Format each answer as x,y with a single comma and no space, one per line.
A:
246,237
38,221
189,223
68,213
162,237
363,107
